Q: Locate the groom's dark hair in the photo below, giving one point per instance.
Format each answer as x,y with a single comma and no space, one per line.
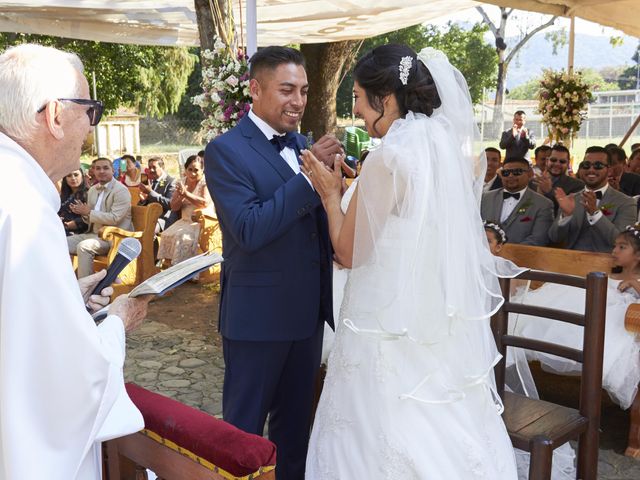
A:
270,58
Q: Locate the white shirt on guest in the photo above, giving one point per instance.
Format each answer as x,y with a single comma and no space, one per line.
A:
508,204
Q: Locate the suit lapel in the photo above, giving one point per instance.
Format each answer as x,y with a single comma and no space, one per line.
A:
262,146
497,206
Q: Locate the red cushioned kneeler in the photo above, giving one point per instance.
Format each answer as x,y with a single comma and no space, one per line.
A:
186,435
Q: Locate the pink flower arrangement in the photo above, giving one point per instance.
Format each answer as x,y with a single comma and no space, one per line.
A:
562,101
225,84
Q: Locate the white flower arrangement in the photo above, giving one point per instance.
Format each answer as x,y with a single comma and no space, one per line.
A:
225,84
562,101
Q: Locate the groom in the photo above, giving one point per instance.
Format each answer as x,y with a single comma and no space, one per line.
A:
276,277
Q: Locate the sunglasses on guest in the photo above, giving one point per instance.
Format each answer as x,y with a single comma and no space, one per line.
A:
516,172
94,112
561,161
586,165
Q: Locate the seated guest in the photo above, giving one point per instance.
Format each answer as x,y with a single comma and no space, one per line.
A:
108,204
634,162
492,180
496,236
180,241
556,176
524,214
619,176
621,361
591,220
635,146
73,189
541,158
132,175
159,189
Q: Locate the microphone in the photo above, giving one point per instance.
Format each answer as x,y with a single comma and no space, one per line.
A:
128,250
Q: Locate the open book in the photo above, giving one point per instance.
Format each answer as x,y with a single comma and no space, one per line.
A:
170,278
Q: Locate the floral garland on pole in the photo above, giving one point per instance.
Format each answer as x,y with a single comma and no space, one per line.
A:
562,101
225,84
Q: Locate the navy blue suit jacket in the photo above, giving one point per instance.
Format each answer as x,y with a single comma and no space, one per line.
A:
276,275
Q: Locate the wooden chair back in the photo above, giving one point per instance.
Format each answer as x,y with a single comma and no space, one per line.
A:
144,219
570,262
209,240
532,422
135,195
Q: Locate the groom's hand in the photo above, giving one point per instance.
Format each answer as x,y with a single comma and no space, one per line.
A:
326,149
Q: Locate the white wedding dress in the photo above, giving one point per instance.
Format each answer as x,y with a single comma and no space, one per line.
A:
409,392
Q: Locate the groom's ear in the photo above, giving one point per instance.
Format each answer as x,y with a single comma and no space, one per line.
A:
254,88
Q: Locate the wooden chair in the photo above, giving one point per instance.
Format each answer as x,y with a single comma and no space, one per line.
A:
180,442
210,240
144,220
574,262
135,195
540,427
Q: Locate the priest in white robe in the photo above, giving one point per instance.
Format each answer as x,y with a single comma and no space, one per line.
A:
61,381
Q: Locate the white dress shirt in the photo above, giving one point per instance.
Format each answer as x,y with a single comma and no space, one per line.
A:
508,204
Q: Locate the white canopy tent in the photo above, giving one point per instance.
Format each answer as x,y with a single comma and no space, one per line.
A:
173,22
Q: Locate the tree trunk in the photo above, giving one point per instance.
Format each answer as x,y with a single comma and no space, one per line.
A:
497,122
208,28
325,63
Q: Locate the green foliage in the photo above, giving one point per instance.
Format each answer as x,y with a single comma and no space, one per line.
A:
590,76
558,39
469,53
152,79
466,50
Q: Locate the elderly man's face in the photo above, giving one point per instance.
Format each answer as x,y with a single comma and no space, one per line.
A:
75,125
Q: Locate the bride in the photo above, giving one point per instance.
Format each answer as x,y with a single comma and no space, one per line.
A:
409,392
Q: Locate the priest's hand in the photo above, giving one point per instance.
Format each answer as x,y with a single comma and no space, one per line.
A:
87,284
132,311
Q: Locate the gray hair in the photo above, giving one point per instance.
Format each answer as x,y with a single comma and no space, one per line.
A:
30,77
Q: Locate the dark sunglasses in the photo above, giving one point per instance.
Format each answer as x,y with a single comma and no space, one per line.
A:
94,112
516,172
561,161
586,165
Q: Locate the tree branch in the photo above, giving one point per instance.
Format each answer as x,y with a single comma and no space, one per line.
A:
488,21
526,38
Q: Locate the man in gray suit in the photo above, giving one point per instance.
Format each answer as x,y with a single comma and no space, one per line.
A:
556,176
524,214
590,220
108,204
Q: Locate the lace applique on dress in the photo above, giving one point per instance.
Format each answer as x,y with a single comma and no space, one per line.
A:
394,464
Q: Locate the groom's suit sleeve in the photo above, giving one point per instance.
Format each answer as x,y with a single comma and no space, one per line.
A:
252,221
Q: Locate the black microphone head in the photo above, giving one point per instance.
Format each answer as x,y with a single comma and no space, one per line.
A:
130,248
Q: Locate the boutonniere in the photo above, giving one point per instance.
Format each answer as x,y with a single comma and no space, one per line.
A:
526,219
606,209
523,208
161,183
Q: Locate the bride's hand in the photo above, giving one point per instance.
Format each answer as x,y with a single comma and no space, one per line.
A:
326,182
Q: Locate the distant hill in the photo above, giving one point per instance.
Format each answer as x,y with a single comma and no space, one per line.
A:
591,51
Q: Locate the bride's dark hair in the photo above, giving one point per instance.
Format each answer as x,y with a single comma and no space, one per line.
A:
378,73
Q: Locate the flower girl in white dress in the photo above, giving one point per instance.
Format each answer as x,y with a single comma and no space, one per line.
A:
409,392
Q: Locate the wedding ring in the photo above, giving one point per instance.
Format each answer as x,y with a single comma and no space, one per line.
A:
309,173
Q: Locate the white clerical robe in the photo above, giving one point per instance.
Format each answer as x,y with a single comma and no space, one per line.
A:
61,381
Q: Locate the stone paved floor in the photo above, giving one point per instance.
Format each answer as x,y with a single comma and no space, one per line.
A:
187,365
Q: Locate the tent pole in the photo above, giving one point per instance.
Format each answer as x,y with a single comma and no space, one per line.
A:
630,132
252,27
572,44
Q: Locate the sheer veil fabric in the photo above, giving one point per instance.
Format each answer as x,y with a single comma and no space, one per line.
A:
420,234
409,391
